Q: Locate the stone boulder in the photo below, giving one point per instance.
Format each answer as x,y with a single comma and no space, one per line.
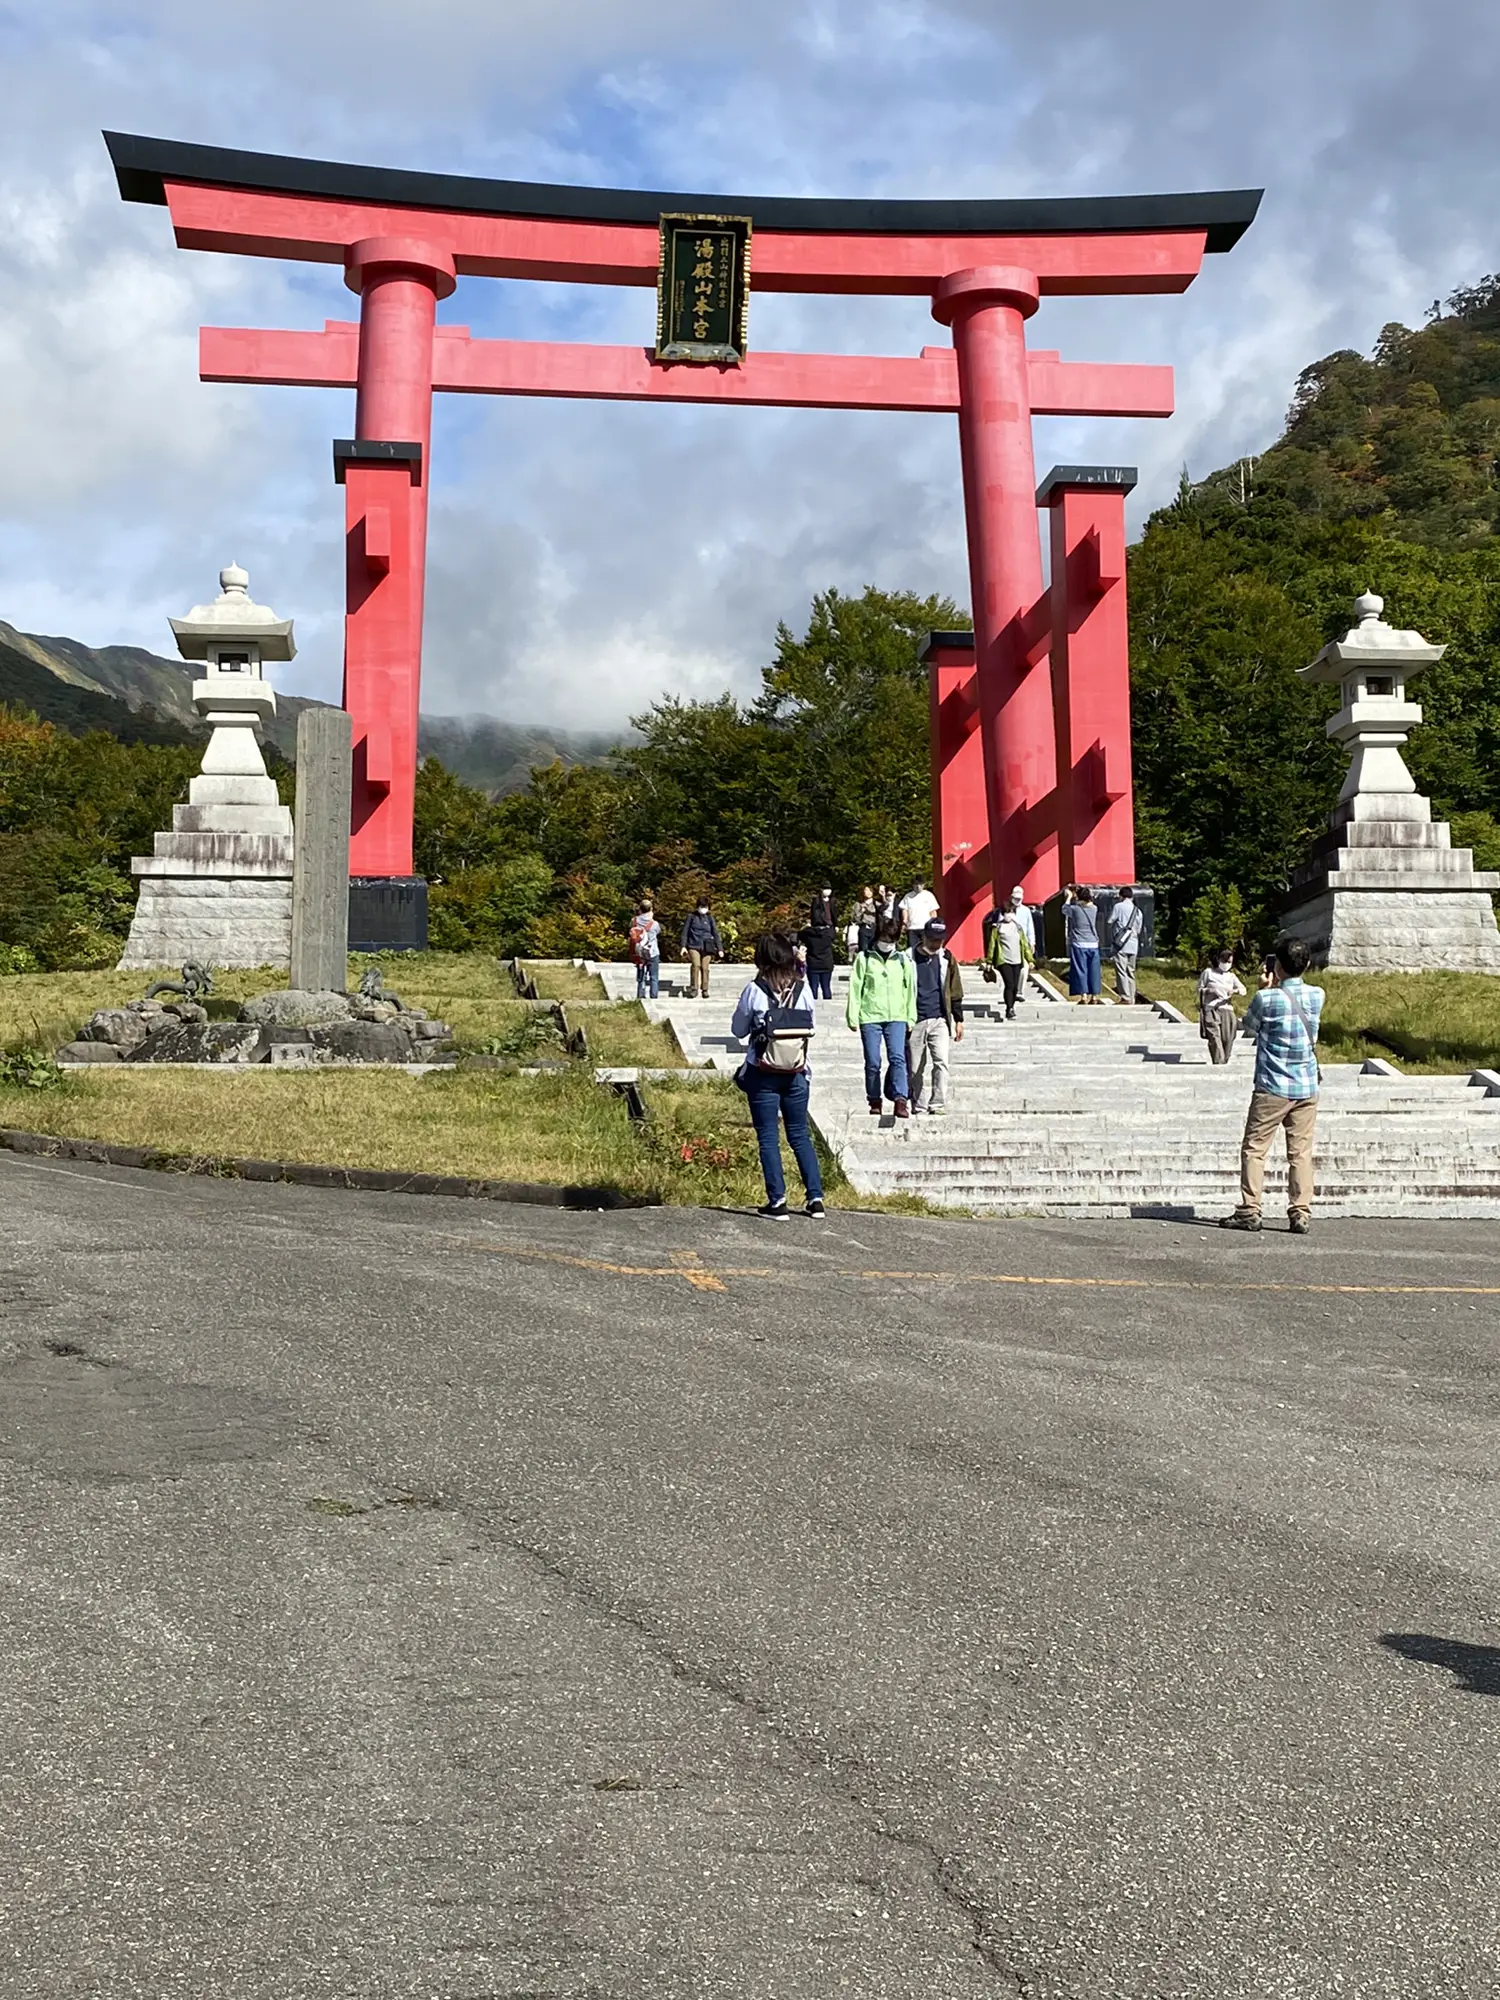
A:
118,1027
365,1041
202,1042
89,1052
290,1008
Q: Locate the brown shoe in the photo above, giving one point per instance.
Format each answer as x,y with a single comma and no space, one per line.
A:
903,1109
874,1107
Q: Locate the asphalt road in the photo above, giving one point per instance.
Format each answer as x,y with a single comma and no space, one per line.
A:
420,1598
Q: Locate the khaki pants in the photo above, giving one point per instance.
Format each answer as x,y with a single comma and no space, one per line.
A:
1219,1027
1297,1116
698,962
928,1040
1125,976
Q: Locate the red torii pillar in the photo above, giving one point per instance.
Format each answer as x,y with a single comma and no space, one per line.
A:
960,815
1090,637
1083,827
988,310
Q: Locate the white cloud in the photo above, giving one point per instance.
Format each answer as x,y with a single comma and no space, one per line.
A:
588,557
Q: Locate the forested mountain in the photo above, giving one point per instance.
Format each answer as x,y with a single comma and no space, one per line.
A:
141,697
1384,479
135,695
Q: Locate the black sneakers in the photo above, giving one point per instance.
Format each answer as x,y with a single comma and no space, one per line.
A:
814,1208
774,1211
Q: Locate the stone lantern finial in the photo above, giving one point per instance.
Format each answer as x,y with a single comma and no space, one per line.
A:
234,581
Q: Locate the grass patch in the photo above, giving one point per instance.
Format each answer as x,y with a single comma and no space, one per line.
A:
1429,1023
556,980
698,1145
620,1035
556,1128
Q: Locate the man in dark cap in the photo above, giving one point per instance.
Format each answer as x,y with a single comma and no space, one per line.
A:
940,1018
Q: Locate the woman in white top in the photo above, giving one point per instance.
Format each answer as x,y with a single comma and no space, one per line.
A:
1217,986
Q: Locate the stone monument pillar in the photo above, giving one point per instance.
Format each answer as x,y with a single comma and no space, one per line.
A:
219,886
1383,890
320,878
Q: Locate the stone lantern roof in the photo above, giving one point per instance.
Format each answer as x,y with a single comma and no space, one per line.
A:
233,615
1372,646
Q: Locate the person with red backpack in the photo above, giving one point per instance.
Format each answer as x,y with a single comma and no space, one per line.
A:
645,950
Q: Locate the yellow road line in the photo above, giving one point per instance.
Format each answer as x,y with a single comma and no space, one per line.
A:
1166,1284
690,1268
686,1265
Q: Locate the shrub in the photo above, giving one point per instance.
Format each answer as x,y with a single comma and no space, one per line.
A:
29,1069
1211,922
17,958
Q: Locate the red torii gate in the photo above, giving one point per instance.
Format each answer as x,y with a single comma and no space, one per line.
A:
403,239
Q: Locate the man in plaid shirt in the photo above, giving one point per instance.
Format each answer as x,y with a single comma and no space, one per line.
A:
1283,1018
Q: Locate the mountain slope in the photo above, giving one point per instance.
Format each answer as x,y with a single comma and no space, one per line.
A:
141,697
156,691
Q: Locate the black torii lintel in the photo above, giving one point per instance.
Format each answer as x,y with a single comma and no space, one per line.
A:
143,165
945,642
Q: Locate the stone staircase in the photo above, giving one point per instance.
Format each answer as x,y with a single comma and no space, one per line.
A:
1115,1111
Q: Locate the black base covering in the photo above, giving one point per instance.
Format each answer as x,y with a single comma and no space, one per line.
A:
1105,899
387,913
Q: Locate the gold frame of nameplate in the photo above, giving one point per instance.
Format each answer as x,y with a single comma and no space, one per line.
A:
703,289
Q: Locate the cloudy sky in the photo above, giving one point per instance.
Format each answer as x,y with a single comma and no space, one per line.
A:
587,557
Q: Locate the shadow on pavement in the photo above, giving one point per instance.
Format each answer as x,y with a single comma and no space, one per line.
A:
1478,1667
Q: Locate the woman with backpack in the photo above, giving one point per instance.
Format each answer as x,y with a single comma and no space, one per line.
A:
645,949
883,1009
775,1016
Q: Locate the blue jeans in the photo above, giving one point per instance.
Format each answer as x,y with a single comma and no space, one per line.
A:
821,983
778,1096
648,976
882,1038
1083,968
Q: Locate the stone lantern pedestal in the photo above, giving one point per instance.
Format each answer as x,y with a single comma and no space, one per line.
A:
218,887
1384,891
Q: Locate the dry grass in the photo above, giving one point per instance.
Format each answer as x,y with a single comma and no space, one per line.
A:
557,980
560,1129
1428,1023
555,1128
620,1034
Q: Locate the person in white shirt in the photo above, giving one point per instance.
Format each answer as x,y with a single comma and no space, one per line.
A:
918,907
1217,987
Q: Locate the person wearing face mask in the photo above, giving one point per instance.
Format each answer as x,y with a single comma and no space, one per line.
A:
775,1018
1217,986
882,1010
940,1019
701,945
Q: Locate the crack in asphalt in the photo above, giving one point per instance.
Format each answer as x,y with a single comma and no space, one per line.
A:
840,1770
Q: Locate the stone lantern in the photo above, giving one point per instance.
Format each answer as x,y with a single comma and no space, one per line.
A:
218,887
1384,890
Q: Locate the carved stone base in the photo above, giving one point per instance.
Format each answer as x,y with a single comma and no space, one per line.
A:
221,920
1399,930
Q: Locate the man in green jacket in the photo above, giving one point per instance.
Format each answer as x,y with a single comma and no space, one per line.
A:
883,1008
